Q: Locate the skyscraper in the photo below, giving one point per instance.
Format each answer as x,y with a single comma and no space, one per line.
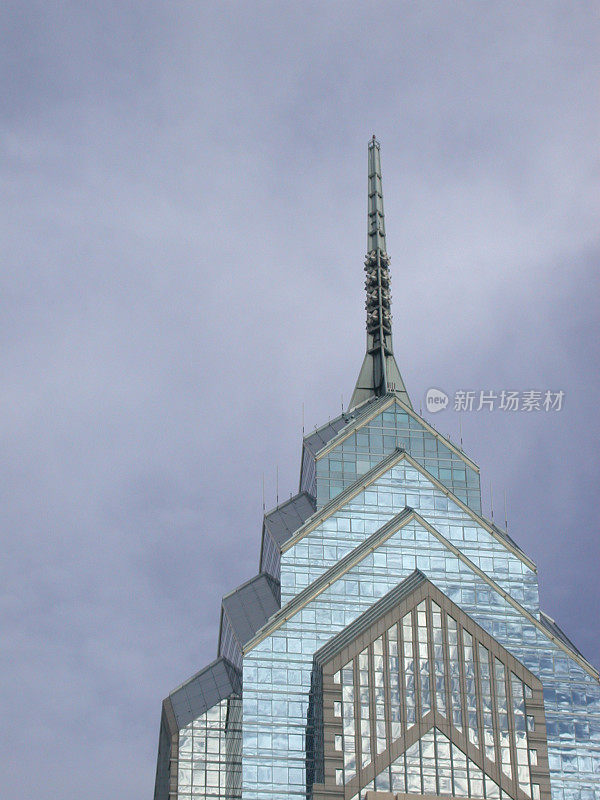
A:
392,643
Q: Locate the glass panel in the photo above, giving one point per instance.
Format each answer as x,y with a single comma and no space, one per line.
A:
423,655
379,695
438,662
486,702
454,670
470,684
475,780
394,678
409,670
502,708
365,713
348,739
521,743
413,768
205,747
459,772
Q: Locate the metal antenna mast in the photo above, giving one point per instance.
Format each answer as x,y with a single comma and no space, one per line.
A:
379,373
377,282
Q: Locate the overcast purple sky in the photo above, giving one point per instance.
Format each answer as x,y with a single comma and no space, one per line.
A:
184,198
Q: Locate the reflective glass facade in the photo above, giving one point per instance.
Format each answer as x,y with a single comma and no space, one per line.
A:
413,708
389,516
426,665
397,427
277,671
210,754
393,640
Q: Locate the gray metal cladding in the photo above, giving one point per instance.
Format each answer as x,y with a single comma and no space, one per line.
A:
322,436
284,520
202,691
249,606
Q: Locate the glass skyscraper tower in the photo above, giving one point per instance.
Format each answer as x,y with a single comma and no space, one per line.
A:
392,644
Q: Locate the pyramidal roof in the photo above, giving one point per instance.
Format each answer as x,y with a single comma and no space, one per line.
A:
379,373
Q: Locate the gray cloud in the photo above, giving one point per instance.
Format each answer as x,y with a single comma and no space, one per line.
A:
183,234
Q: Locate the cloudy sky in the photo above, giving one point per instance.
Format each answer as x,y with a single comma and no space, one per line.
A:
183,227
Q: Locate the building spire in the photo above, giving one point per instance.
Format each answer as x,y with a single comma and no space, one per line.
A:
376,217
379,374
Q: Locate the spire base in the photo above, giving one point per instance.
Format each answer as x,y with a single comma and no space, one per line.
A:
368,385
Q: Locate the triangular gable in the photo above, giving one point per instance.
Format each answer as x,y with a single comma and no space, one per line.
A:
383,405
431,762
368,479
394,427
330,438
414,666
368,547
